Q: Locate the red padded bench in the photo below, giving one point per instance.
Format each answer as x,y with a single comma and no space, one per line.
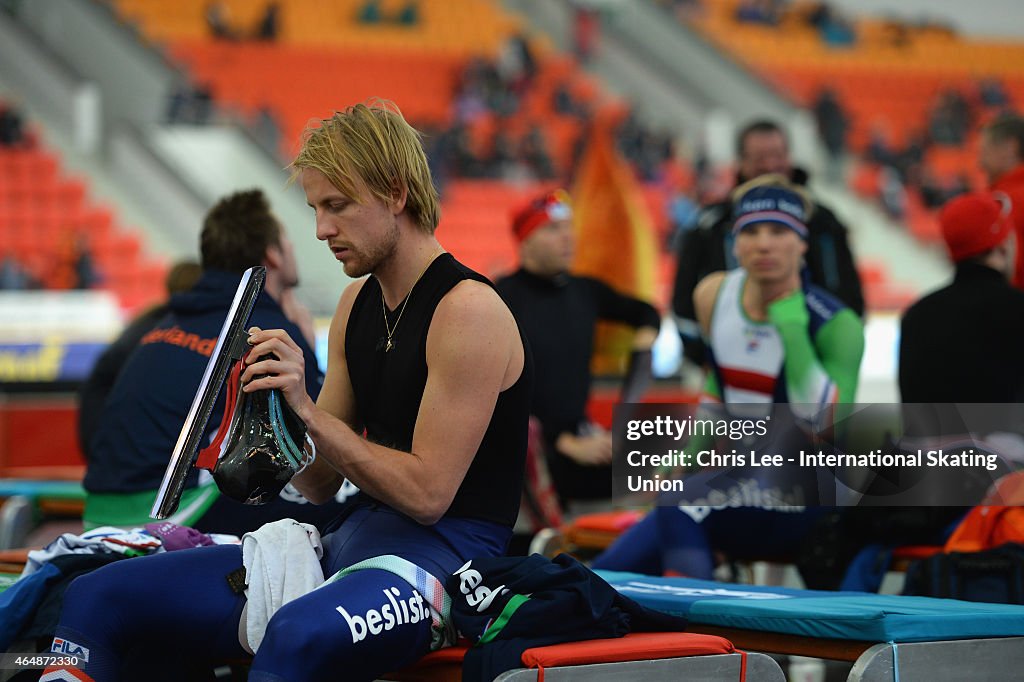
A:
652,656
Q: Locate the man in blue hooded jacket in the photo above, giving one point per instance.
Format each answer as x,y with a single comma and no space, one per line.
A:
146,408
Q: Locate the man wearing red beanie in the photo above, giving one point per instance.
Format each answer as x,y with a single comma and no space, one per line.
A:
961,344
557,312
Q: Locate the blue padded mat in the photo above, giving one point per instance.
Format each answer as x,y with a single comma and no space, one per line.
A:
831,615
71,490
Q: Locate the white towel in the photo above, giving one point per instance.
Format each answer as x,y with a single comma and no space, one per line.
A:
282,563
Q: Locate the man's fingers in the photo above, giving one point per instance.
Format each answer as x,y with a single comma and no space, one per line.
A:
276,347
263,383
270,367
258,336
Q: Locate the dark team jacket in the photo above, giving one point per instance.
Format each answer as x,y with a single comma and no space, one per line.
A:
151,398
92,396
709,248
506,605
962,343
558,317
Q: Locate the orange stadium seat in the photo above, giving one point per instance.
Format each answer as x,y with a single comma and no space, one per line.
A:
475,220
310,70
324,59
42,213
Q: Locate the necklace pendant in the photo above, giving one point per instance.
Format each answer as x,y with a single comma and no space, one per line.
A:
389,346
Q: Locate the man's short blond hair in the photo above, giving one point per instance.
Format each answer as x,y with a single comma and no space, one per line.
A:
374,143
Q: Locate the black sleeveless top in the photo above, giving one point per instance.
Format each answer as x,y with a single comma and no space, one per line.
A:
388,388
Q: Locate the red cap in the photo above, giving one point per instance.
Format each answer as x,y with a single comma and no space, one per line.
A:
975,223
551,206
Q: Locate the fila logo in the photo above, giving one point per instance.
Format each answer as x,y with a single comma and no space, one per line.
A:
68,648
389,616
477,595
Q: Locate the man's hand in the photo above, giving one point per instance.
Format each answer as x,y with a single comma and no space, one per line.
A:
789,310
285,370
644,338
594,449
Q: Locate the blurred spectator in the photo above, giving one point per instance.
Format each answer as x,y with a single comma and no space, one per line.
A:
838,31
893,193
86,274
564,103
409,14
879,150
487,92
437,145
535,153
935,193
762,148
191,105
179,103
70,263
818,14
218,21
901,169
516,64
984,365
586,30
931,190
268,26
1001,157
93,394
468,101
833,27
911,157
14,277
897,34
370,12
481,89
645,149
12,126
466,162
961,184
950,119
267,129
991,93
520,169
683,211
506,162
832,126
758,12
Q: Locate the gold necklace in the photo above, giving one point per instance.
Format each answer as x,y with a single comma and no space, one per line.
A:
384,306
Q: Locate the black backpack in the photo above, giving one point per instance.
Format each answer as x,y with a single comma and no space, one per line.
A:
995,575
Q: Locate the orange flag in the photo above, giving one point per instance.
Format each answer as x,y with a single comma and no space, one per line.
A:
614,238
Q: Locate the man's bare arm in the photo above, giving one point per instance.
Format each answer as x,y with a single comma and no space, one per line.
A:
319,482
704,296
473,353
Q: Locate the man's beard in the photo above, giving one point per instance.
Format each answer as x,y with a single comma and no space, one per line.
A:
369,261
